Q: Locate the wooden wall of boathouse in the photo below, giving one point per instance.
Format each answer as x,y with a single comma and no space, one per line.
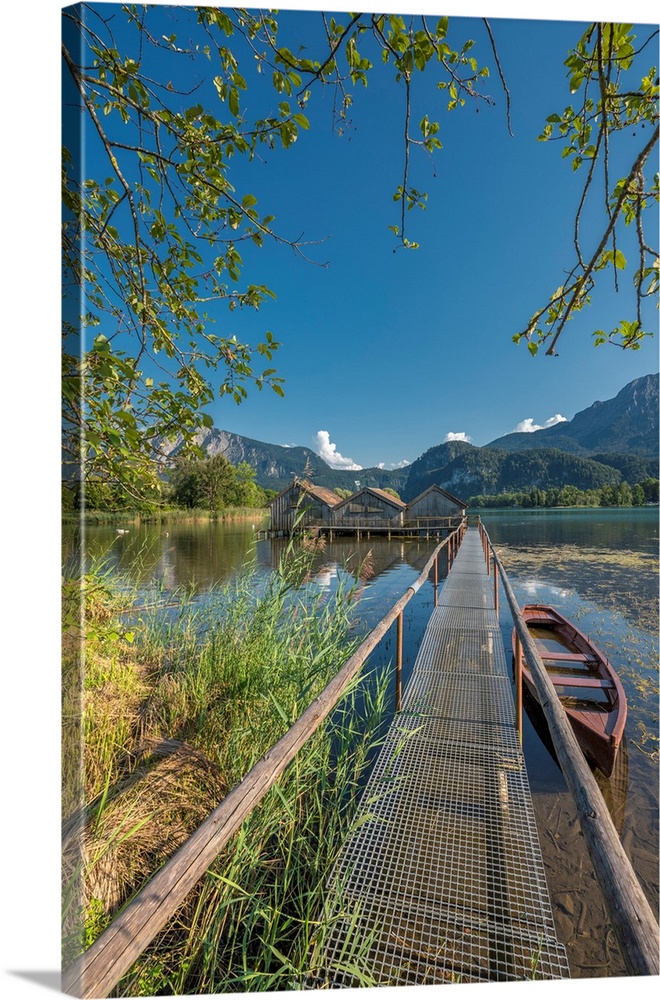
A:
432,508
370,508
302,505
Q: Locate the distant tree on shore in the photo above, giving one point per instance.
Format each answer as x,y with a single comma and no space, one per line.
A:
214,484
621,495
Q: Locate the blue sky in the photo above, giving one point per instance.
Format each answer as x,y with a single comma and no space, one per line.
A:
386,354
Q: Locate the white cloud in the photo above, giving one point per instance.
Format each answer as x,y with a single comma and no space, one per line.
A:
528,426
394,465
326,450
457,436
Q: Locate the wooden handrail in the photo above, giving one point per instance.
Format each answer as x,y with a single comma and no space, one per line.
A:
99,969
632,918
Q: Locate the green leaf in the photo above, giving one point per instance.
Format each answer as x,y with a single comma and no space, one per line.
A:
576,82
280,710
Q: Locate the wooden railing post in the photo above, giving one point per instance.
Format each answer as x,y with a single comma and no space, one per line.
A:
496,596
517,657
435,582
399,659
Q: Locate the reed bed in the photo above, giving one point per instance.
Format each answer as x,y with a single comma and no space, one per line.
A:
175,708
164,515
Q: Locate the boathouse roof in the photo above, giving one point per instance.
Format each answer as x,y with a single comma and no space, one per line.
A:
319,492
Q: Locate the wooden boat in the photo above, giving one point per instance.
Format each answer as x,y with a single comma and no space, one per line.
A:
588,686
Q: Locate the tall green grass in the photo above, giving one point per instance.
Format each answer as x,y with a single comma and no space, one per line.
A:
175,718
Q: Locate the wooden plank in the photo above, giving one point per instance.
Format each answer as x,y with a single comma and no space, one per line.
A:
571,680
568,657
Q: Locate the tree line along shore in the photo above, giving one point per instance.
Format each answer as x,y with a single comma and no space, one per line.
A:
213,487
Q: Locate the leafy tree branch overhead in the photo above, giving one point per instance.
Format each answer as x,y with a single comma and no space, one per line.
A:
160,221
152,241
616,87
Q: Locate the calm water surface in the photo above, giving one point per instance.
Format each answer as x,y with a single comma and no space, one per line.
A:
599,567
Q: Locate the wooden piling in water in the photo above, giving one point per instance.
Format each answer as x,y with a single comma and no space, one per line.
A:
517,657
399,659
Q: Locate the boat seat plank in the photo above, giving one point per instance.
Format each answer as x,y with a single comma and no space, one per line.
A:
563,680
568,657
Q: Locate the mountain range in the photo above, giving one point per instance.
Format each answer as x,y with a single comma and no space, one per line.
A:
605,444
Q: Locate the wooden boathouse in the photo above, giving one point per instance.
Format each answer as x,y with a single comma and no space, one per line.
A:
305,507
300,506
432,508
370,508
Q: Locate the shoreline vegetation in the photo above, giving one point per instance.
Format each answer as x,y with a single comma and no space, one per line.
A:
495,502
174,514
163,715
639,494
211,488
642,494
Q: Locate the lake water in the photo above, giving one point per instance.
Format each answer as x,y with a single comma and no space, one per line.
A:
598,566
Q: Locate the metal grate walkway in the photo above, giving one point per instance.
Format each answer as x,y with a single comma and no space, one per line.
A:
442,879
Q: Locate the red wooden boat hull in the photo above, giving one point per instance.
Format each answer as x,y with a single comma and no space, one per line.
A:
587,684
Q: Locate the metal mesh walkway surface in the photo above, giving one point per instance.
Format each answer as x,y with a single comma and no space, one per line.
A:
442,878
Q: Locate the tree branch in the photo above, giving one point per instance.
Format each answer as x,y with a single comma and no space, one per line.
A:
632,176
501,74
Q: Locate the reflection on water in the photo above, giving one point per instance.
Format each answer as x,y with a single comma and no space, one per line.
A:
180,554
206,554
544,779
634,528
609,556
